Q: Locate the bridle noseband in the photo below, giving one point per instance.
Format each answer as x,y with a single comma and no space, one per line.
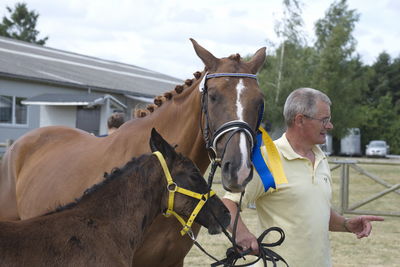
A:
172,188
230,126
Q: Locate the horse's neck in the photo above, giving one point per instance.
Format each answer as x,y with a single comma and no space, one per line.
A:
178,121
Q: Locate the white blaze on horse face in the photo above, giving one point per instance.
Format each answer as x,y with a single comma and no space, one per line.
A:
243,171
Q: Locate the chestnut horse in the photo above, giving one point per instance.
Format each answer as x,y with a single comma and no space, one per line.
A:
53,165
106,226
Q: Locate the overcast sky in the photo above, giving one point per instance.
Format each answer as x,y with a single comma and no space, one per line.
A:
155,34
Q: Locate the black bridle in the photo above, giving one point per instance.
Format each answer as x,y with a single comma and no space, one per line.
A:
234,126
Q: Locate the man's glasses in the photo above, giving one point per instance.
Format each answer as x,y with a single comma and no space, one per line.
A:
324,121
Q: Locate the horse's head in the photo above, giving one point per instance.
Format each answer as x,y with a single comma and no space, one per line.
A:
186,175
232,106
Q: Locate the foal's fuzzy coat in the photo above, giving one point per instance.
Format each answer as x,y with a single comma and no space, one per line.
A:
106,226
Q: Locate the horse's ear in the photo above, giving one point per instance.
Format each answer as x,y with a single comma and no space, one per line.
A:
208,59
157,143
257,61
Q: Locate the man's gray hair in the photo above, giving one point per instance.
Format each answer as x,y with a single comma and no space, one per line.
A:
302,101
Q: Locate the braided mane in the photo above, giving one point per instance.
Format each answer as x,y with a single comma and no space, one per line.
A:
159,100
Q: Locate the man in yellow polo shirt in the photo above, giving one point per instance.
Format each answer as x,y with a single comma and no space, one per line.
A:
302,206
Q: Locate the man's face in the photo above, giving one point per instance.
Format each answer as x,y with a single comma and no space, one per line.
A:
317,126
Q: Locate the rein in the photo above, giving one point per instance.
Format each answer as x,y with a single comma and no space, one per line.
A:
233,254
265,254
173,188
235,126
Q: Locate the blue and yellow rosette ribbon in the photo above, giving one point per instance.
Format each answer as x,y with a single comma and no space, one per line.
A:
268,165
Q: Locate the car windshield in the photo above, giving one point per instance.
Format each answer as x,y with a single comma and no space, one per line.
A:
378,144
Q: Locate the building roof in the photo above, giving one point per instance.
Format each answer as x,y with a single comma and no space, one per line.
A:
26,61
70,100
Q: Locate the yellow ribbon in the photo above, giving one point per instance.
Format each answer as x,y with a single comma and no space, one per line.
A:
273,159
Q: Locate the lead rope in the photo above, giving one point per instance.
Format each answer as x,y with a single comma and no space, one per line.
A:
233,254
265,254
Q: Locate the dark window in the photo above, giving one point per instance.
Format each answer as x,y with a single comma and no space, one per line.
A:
6,103
12,111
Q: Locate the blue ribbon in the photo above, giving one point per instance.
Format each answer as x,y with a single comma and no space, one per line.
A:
261,166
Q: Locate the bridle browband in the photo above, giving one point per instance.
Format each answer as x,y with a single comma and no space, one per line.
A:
234,126
172,188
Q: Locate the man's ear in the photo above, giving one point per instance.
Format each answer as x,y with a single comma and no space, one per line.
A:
299,120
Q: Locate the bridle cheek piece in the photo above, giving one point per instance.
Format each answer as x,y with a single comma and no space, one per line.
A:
173,188
234,126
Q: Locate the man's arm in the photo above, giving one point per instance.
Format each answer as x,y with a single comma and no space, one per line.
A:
244,237
361,225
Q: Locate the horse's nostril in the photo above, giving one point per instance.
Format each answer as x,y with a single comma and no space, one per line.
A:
226,167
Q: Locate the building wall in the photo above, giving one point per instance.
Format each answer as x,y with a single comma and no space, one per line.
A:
26,89
40,116
57,115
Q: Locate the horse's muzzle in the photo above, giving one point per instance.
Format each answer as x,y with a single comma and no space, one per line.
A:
233,180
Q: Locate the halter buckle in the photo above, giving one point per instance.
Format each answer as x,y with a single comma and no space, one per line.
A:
172,187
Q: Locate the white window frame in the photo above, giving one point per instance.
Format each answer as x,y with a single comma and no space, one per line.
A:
13,113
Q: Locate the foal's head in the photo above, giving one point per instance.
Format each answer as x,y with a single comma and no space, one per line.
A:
186,175
232,109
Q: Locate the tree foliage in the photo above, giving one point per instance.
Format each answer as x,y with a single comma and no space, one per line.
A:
365,97
297,67
282,71
339,71
380,103
21,25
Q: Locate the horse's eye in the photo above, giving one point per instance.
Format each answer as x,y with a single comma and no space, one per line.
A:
213,97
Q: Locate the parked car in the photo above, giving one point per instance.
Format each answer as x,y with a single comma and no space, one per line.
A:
377,148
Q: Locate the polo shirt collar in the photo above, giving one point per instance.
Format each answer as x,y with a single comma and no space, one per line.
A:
288,152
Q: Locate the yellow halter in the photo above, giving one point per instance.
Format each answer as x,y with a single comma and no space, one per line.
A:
172,188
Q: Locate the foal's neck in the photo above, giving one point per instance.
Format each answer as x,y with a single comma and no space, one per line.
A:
129,203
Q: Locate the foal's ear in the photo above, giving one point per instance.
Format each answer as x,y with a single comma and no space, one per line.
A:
157,143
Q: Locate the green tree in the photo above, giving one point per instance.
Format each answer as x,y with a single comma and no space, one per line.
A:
395,82
379,84
381,122
297,68
381,104
339,72
21,25
284,69
386,78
